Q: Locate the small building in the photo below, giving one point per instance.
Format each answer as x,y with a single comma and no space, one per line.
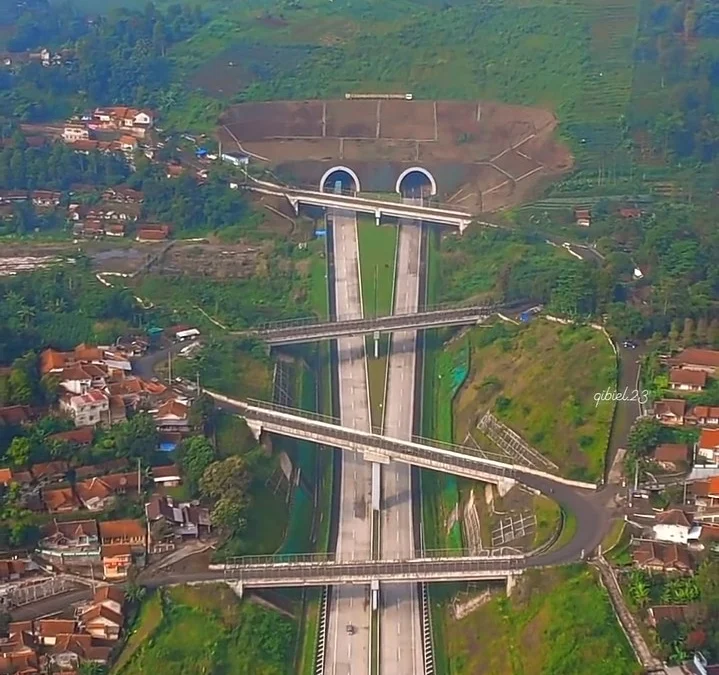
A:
153,233
687,380
111,597
692,358
14,415
708,446
661,613
706,493
71,535
75,132
670,411
674,526
670,456
128,144
83,436
706,415
662,557
12,569
183,519
172,416
47,631
115,229
116,562
235,158
60,500
166,476
125,531
87,410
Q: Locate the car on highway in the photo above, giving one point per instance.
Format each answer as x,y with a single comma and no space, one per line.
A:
351,630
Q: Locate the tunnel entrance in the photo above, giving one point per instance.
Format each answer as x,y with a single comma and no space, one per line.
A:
416,183
340,180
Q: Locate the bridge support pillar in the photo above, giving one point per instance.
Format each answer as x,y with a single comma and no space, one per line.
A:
504,485
255,428
295,205
377,216
376,344
238,587
511,583
374,589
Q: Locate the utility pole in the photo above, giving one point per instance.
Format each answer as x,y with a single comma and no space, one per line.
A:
169,366
376,281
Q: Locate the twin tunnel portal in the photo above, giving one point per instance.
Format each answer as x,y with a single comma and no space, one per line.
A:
414,182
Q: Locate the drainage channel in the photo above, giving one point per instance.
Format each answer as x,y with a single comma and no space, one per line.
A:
427,642
322,633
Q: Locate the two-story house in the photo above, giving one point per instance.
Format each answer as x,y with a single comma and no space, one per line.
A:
708,447
87,410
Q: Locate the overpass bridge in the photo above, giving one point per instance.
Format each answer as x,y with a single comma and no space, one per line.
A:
304,571
445,216
575,497
310,329
326,431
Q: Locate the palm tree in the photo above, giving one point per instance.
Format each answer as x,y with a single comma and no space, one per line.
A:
639,589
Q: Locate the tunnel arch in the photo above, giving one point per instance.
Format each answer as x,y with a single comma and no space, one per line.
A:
419,169
347,170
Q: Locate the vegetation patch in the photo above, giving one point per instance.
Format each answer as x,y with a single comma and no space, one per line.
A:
540,379
208,630
559,622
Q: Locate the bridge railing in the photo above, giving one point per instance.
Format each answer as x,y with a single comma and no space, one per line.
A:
459,452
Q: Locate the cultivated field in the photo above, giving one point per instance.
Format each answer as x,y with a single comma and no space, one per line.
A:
484,156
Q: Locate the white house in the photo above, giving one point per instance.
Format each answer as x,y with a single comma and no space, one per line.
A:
87,410
708,447
75,132
674,526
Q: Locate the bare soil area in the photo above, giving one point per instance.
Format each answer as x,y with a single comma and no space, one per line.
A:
497,155
219,261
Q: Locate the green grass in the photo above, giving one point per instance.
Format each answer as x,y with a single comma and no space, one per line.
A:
310,632
614,536
207,630
377,253
548,514
147,622
569,529
557,622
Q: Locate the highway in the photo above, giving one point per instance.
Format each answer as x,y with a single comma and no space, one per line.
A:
349,606
400,636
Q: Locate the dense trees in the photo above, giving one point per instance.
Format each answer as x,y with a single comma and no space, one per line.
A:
61,307
56,167
118,58
226,484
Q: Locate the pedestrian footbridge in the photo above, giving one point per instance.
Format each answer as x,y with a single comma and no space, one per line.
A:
321,569
309,330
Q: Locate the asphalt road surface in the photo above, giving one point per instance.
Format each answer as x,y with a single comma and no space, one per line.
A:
349,654
400,636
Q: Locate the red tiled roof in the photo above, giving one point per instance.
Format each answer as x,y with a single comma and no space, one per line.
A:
664,554
698,357
5,476
115,550
54,627
126,529
13,415
61,499
697,378
82,436
172,407
110,593
705,411
675,406
85,352
73,529
170,471
709,438
671,452
673,517
49,469
667,613
51,359
100,611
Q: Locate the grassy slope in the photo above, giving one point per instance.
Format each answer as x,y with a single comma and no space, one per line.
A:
207,630
550,374
558,622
